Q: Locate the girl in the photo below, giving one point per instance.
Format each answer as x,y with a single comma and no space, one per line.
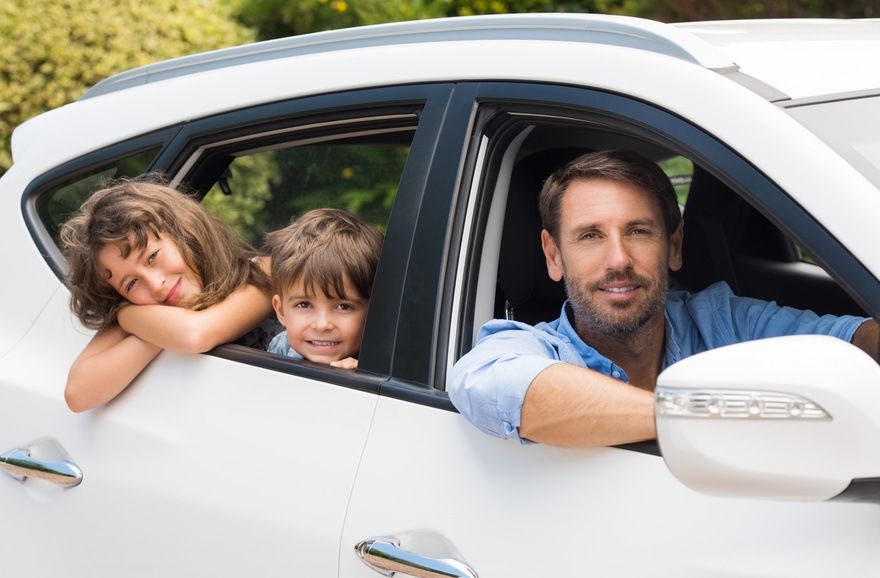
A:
150,270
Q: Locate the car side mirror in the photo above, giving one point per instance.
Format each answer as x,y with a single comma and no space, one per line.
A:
794,417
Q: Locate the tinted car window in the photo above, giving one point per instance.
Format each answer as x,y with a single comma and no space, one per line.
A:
57,204
262,191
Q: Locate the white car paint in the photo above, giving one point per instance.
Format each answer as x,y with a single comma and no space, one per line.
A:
212,467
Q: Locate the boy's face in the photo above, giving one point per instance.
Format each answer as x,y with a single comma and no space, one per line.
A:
320,328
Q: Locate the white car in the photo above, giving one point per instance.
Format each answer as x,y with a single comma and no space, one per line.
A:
242,463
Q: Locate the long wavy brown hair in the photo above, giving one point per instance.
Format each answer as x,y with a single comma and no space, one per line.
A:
127,214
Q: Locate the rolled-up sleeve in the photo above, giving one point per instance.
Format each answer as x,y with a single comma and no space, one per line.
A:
488,384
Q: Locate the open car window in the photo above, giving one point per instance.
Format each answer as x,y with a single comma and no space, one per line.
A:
727,238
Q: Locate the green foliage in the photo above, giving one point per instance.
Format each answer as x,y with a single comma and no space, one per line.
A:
53,51
277,18
265,190
248,185
362,179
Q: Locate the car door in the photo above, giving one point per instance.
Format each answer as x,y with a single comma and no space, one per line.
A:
433,494
232,463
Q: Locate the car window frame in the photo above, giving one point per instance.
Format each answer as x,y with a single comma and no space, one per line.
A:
180,141
649,122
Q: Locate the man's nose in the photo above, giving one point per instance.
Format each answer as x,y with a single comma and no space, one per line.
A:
617,257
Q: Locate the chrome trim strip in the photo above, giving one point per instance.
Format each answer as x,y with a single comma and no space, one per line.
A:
675,402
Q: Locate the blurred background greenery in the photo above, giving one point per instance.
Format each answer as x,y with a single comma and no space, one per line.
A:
54,50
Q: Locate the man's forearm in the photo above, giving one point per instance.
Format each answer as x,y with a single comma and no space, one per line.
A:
867,338
571,406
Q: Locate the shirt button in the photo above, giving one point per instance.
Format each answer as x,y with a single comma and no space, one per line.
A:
615,374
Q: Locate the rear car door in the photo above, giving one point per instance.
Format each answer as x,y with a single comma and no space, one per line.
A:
231,463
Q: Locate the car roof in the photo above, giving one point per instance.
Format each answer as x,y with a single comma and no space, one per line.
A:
798,58
621,31
803,58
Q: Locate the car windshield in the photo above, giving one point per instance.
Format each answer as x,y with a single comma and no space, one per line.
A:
851,127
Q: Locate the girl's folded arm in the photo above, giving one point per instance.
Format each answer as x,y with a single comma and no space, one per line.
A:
191,331
111,361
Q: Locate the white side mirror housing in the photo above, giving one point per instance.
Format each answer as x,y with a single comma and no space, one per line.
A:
794,417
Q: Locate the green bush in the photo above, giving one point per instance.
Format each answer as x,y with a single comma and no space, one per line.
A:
53,51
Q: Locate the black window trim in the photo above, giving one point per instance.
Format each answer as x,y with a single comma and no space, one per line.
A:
428,101
78,168
421,380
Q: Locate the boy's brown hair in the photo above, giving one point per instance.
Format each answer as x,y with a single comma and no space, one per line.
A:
322,249
127,214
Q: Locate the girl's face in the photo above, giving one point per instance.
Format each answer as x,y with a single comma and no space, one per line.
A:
156,274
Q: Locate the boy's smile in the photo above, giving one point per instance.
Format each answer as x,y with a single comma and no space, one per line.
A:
320,328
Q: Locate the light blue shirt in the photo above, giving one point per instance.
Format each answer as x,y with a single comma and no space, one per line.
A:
281,346
488,384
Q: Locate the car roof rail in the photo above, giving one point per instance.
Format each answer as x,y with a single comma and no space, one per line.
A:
622,31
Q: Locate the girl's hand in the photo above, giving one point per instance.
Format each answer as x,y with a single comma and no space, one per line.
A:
347,363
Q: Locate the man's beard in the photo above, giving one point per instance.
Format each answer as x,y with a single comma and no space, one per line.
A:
592,317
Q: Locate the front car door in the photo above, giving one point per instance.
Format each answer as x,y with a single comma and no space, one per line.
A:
435,488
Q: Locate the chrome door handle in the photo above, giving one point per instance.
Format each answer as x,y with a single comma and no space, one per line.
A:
385,556
20,464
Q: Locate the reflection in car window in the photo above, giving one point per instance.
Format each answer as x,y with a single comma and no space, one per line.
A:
262,191
679,170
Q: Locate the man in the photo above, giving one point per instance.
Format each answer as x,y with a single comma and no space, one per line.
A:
612,231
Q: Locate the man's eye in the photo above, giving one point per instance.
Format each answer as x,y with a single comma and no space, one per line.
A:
589,236
641,231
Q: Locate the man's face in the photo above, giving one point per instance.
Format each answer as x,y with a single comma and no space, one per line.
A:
614,255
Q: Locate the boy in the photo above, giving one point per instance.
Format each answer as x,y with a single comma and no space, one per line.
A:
322,273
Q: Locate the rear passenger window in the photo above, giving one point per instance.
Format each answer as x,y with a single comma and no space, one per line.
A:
263,190
58,203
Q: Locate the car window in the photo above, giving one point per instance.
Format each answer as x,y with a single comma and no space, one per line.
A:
680,170
262,191
57,204
726,237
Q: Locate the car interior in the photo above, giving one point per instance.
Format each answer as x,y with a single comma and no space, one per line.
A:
725,238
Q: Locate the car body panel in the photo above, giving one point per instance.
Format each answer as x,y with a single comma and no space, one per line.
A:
541,511
199,468
801,58
232,464
29,283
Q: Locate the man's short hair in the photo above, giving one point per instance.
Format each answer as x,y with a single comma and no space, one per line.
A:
322,249
621,166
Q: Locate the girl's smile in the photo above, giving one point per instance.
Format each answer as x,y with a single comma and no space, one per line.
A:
154,274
